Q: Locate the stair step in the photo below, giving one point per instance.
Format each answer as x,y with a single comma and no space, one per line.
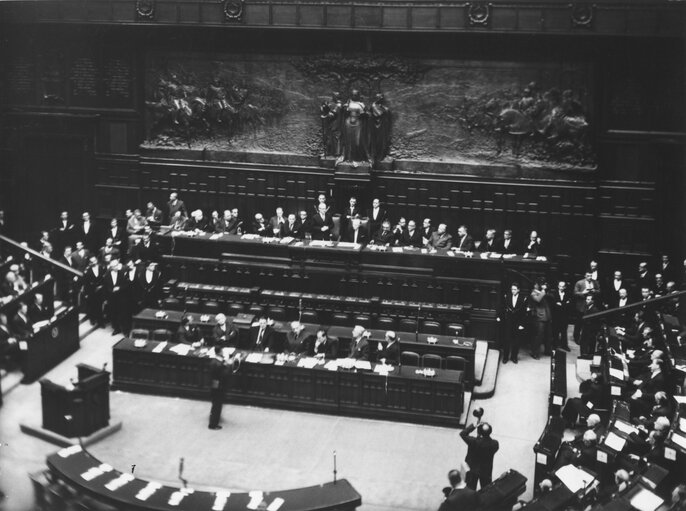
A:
490,376
480,354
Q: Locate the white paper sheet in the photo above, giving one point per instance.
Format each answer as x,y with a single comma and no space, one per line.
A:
646,500
615,442
625,427
679,440
276,504
574,478
160,347
617,373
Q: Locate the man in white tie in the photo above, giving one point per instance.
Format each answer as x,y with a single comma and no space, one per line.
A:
376,216
612,290
584,287
561,310
512,317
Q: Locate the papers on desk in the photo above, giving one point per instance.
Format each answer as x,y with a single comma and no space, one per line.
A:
363,365
625,427
615,442
40,324
254,358
680,440
574,478
331,365
383,369
220,500
308,362
160,347
680,399
148,490
118,482
646,500
68,451
617,373
682,424
94,472
397,250
320,243
181,349
255,499
216,236
347,244
276,504
287,240
250,237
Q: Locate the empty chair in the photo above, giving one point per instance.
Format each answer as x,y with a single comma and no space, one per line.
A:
172,303
161,334
430,327
362,320
309,317
407,325
258,310
277,313
385,323
341,319
139,333
432,361
455,363
456,329
235,308
192,305
211,307
409,358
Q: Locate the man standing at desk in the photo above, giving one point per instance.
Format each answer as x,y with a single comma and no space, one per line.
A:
480,452
219,372
261,336
21,324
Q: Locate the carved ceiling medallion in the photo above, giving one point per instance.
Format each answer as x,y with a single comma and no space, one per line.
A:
145,9
479,14
233,10
582,15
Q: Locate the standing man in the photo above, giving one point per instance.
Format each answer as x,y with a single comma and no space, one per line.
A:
219,372
322,224
513,316
561,311
376,216
590,328
480,452
88,233
175,204
583,288
459,497
542,317
359,345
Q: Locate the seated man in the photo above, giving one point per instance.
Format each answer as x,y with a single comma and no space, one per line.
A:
355,233
533,246
591,397
261,336
411,237
259,226
178,222
465,242
641,400
390,353
359,345
223,334
489,243
276,223
319,346
384,236
136,222
187,333
197,222
296,338
440,238
21,323
38,311
291,229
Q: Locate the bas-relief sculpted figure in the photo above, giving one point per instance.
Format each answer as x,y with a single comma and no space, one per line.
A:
355,132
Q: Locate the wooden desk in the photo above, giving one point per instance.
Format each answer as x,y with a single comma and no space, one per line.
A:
402,395
445,345
68,467
50,345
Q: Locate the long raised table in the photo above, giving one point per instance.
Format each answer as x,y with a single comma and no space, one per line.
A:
401,395
69,466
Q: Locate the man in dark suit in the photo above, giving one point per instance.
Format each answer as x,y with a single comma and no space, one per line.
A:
350,212
440,238
175,204
376,216
150,286
223,334
109,249
64,279
197,222
226,224
513,318
81,256
582,288
489,243
93,291
384,236
219,374
291,229
589,328
187,333
322,224
668,270
359,345
153,215
355,233
561,301
87,232
411,237
507,244
304,225
399,230
261,336
390,352
464,242
120,237
650,383
458,497
21,323
321,345
276,224
592,395
113,293
480,452
296,338
611,289
63,234
259,225
38,311
533,246
426,231
643,279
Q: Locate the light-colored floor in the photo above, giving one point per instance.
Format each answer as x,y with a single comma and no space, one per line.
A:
393,465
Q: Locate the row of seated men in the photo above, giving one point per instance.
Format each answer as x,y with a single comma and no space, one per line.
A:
20,328
298,340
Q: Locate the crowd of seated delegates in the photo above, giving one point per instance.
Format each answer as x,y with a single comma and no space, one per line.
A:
119,264
374,228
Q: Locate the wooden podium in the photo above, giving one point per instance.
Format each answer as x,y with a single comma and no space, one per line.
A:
81,411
